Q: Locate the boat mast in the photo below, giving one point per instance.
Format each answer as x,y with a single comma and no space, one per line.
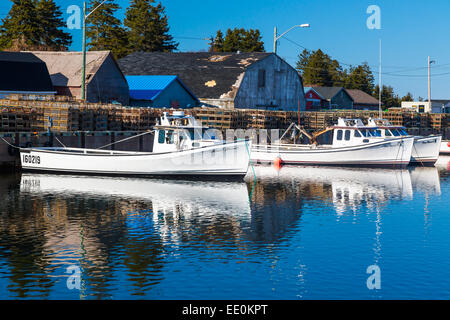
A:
379,88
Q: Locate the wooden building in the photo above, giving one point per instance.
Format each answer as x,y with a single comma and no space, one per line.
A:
323,98
226,80
160,92
24,73
104,80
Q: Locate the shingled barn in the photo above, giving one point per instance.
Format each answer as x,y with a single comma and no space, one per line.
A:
226,80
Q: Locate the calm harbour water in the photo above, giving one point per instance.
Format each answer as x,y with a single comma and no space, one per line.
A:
296,233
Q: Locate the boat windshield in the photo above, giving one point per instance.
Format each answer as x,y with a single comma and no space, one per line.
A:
398,132
194,134
370,132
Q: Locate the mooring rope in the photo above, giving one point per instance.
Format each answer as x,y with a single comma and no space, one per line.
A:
9,144
418,155
253,170
398,150
59,141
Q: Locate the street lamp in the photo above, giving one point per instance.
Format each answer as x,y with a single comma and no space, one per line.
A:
276,37
429,82
83,69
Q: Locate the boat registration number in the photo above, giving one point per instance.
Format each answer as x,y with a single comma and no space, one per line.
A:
31,159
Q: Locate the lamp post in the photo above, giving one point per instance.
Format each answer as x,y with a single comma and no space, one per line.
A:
83,68
429,82
276,37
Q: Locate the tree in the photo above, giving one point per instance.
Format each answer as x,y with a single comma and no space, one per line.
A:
20,28
148,28
238,40
408,97
51,25
104,30
34,25
388,98
303,59
321,70
217,43
361,78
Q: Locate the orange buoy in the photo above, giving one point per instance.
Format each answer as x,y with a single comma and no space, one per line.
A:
277,163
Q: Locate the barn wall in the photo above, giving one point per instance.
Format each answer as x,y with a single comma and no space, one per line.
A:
283,89
108,84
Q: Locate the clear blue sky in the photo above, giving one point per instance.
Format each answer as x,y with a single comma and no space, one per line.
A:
410,31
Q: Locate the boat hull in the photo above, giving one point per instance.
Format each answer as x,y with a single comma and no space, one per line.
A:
228,159
445,147
426,150
387,153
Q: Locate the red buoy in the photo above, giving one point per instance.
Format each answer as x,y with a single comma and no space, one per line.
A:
277,163
448,144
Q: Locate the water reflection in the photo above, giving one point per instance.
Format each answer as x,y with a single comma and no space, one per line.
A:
126,233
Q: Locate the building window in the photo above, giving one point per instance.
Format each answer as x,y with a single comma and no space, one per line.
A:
261,78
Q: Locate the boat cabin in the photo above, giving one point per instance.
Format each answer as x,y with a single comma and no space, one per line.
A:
386,128
180,132
348,132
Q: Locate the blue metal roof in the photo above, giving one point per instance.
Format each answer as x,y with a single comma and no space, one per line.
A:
148,87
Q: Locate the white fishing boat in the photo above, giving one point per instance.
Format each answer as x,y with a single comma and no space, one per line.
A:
349,143
425,149
445,147
182,147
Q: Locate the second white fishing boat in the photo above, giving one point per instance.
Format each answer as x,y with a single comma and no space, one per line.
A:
349,143
445,147
425,149
179,149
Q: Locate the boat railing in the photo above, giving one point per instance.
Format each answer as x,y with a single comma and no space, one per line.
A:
85,151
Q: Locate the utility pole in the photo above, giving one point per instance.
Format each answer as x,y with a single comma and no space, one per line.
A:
83,68
429,81
275,40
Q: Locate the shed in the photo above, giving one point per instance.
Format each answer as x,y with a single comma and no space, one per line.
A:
104,80
227,80
24,73
160,91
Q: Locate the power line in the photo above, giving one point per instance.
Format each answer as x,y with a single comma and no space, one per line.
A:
391,73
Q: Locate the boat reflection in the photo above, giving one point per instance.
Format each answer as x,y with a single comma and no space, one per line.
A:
426,180
346,188
172,204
